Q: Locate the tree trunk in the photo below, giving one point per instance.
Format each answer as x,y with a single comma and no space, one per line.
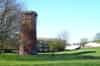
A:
21,49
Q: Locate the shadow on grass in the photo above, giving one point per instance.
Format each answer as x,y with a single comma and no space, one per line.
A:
50,57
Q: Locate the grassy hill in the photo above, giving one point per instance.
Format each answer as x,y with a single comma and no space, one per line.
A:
82,57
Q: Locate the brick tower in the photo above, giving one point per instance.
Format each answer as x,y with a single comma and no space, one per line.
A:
28,33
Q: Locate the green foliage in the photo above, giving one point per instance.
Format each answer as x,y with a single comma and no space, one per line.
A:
97,41
52,44
56,45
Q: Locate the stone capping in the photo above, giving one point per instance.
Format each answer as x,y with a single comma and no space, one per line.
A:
29,13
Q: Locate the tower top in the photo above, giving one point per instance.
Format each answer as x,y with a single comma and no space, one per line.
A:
29,13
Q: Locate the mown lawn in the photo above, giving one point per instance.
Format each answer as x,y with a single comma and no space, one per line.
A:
83,57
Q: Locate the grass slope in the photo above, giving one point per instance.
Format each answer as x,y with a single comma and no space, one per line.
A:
83,57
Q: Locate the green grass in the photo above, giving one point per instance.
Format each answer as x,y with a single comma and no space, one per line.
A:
83,57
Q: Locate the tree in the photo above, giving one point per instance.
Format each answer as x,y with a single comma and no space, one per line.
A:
56,45
59,43
63,36
83,41
9,19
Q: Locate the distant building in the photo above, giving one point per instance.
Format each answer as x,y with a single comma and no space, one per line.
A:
92,44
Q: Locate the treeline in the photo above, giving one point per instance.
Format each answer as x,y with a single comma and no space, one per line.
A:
47,45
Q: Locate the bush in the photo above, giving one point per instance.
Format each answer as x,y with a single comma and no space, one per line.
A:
56,45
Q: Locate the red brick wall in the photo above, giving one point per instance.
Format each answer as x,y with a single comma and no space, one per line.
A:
28,31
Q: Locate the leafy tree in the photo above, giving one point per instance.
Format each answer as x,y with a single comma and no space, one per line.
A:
56,45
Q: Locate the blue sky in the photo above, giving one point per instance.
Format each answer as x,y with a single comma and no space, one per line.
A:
80,18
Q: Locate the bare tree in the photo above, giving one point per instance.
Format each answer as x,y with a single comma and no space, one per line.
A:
64,36
83,41
9,19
